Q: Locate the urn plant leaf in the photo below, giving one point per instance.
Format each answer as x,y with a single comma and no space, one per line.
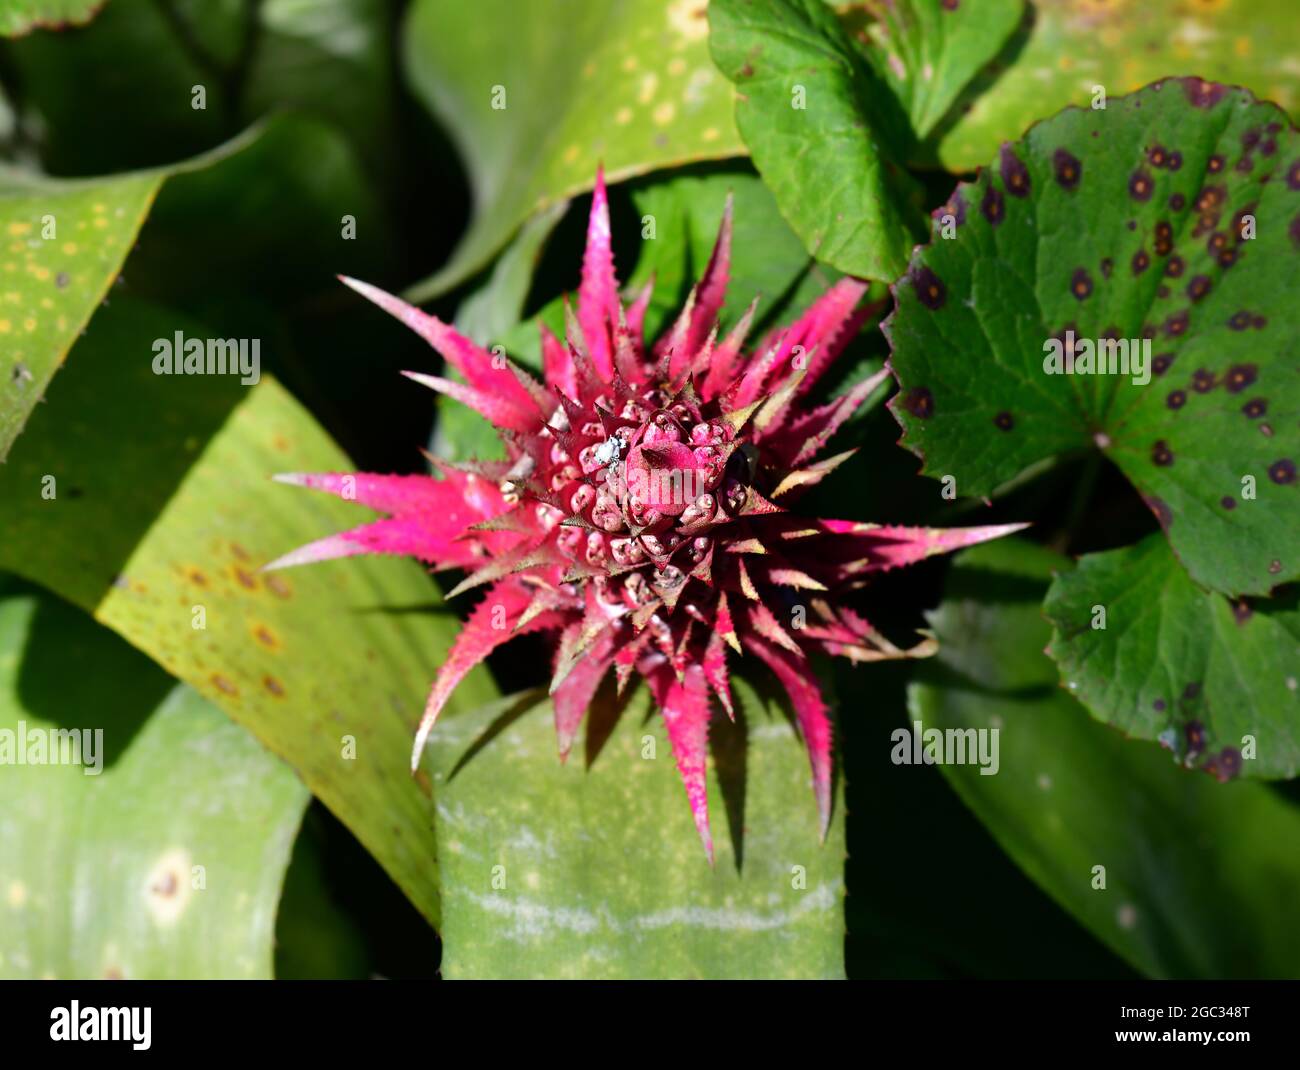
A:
22,16
1066,49
328,59
178,845
1177,662
592,869
537,95
497,305
1198,874
823,129
127,62
1131,224
769,262
65,241
329,667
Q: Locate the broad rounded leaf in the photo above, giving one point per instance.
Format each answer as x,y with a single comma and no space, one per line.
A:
823,129
538,95
593,869
328,667
1199,877
1216,680
168,861
929,50
1170,222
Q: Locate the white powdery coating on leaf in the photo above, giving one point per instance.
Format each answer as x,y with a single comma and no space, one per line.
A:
532,919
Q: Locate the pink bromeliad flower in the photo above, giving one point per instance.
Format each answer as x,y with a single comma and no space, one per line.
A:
642,516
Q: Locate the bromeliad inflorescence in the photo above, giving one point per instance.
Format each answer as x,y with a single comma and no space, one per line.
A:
642,513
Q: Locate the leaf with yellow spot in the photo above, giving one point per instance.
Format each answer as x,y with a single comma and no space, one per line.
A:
62,243
1064,49
329,667
536,98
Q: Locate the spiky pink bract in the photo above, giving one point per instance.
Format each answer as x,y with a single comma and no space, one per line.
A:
641,514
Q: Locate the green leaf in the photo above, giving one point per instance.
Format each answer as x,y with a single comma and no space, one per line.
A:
928,51
128,62
626,83
823,130
1064,51
1109,224
594,870
332,59
496,306
168,861
826,120
64,242
1200,876
145,527
1173,660
22,16
768,261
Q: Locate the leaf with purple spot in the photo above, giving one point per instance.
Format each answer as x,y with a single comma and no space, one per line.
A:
1169,219
1214,679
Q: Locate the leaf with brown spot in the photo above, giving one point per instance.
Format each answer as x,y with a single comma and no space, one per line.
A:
164,513
1173,656
1224,346
179,787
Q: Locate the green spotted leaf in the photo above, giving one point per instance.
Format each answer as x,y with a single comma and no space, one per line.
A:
1199,877
593,869
328,666
160,855
22,16
1130,225
1216,679
64,243
538,95
1065,49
